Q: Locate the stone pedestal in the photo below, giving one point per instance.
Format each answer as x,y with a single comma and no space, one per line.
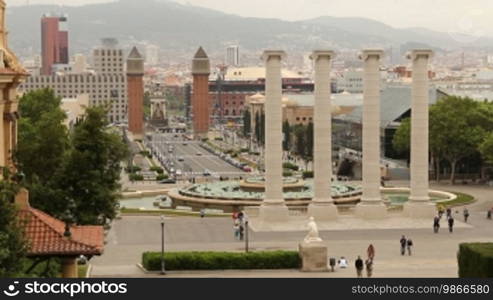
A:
314,257
69,267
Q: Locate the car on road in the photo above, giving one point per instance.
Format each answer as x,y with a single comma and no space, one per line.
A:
206,173
168,181
180,158
178,173
184,144
199,153
247,169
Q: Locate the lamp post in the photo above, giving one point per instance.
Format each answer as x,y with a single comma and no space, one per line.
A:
163,270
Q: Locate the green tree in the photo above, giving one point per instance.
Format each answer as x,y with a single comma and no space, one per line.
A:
486,148
257,127
286,130
402,137
262,129
92,171
246,123
41,149
300,140
13,246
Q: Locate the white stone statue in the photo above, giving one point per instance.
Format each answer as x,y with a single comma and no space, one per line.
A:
312,236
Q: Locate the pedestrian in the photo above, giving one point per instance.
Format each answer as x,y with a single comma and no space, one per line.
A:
343,263
403,245
449,213
369,267
436,224
236,229
488,214
202,213
440,211
332,263
242,230
451,224
466,214
359,266
409,246
370,252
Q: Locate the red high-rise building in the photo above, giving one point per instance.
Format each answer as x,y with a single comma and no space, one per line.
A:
54,42
135,88
200,98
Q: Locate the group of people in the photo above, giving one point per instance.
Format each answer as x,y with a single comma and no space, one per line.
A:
238,225
359,264
406,243
449,218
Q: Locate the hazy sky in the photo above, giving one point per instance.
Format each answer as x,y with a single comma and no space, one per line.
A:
464,16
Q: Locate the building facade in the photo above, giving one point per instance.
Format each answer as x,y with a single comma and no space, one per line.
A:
54,42
233,56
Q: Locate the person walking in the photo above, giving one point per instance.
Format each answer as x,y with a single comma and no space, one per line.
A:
359,266
202,213
436,224
409,246
370,252
369,267
236,230
466,214
451,224
449,213
403,242
242,231
488,214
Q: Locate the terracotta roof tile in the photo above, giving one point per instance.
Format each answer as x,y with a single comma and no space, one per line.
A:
45,235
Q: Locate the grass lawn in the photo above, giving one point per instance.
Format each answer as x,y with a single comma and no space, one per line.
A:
462,199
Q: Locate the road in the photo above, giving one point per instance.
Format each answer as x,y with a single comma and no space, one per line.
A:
190,158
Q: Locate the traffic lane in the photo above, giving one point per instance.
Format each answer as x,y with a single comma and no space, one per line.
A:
206,160
215,163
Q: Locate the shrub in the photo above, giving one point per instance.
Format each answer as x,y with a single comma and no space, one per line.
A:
287,173
162,177
222,260
156,169
218,138
243,150
133,169
135,177
307,174
291,166
475,260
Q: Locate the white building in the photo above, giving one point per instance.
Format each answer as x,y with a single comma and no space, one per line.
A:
74,108
233,56
107,86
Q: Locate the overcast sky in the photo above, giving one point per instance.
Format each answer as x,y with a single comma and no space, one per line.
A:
464,16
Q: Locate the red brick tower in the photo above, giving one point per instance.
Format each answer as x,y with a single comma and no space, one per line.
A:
135,88
200,97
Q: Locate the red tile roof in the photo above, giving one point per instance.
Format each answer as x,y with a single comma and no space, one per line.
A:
45,235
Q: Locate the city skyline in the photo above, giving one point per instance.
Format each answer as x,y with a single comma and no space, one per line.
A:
461,17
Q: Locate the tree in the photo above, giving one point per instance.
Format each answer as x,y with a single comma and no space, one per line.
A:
286,130
13,246
300,145
262,129
41,149
402,137
486,148
257,127
92,171
246,123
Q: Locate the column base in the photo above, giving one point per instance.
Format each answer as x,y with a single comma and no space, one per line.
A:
323,211
314,257
365,210
273,213
420,209
69,267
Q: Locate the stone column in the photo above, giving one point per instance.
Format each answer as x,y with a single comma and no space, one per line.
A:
3,161
273,208
371,205
322,206
419,204
69,267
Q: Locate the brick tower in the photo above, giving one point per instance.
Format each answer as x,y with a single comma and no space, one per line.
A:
135,88
200,98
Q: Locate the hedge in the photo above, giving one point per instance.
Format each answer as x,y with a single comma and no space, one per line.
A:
287,173
307,174
291,166
222,260
133,169
162,177
135,177
475,260
156,169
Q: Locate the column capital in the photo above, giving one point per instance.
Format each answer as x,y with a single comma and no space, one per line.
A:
316,54
268,54
366,53
414,54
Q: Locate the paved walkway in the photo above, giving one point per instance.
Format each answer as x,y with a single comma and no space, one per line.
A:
434,254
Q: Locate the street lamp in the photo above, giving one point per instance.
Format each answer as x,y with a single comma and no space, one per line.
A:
163,270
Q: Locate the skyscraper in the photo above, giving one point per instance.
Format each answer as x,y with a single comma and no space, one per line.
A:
233,56
200,98
135,86
54,42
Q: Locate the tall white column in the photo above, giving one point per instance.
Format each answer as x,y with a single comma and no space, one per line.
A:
273,208
322,206
419,204
371,205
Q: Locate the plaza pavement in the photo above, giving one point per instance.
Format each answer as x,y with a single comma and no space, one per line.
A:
434,254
